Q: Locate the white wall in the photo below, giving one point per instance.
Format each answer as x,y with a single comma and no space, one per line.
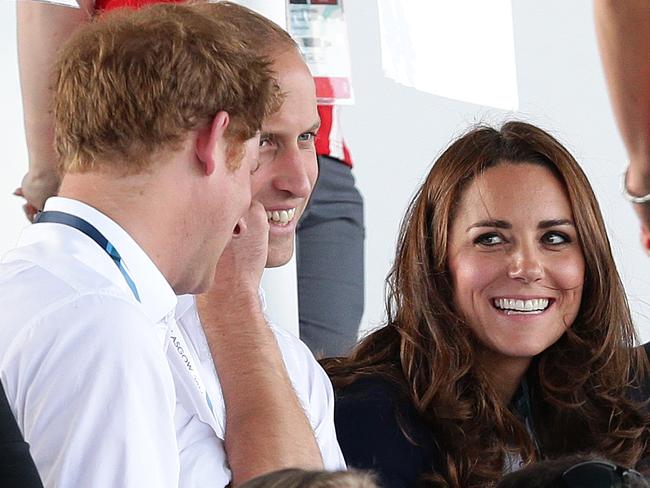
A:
13,162
395,133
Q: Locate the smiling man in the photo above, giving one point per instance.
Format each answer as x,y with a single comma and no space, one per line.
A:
288,169
256,361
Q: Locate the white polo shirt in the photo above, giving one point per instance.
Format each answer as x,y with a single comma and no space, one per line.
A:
94,386
311,384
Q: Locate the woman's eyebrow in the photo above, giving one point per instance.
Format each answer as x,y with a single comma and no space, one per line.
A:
499,224
545,224
502,224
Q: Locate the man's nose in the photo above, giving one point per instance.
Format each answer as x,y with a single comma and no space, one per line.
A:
526,264
292,173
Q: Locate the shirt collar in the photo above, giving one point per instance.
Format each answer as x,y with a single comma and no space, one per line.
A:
156,295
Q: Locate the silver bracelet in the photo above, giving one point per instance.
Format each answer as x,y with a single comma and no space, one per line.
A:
632,198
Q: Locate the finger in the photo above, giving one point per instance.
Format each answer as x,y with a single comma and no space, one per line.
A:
18,192
30,212
258,215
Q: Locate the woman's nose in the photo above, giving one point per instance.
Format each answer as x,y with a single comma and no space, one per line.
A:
526,265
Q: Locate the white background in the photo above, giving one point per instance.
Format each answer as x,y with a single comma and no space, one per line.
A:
395,132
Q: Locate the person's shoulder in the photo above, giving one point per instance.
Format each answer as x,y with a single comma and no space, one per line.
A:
373,403
31,291
26,288
379,429
106,312
297,357
66,315
39,304
374,390
315,393
307,376
83,328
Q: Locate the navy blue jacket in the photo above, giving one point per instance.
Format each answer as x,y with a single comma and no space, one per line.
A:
17,469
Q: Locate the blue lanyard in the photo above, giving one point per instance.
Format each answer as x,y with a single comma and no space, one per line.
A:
94,234
83,226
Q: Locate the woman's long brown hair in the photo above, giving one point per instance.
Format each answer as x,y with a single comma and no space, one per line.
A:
579,384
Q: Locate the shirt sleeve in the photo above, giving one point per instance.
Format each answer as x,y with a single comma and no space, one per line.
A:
94,397
314,390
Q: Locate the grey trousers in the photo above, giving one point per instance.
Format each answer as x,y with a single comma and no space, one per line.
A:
329,259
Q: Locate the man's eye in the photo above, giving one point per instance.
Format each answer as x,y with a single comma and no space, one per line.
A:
555,238
307,136
491,239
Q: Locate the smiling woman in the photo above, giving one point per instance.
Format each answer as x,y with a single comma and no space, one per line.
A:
516,266
508,337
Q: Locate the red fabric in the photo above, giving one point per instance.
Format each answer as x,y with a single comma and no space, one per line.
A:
325,111
332,87
104,5
324,139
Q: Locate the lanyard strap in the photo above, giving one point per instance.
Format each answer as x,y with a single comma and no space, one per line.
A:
83,226
176,337
183,351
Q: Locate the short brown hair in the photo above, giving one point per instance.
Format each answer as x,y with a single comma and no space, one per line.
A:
136,81
256,31
298,478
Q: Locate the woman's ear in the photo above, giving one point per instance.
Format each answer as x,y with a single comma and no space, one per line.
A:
211,144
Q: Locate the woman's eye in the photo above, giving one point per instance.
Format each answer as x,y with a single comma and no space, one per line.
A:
491,239
555,238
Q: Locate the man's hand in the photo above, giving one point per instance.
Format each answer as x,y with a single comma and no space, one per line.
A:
238,273
36,189
29,209
243,261
266,427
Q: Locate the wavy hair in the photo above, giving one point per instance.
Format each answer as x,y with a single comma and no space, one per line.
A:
578,385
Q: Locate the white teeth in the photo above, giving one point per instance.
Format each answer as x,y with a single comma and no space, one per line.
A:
282,217
534,305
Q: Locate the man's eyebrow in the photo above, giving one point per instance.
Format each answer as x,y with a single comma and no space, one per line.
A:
546,224
314,128
499,224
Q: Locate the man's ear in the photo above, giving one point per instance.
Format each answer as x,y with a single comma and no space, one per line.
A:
645,239
211,143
